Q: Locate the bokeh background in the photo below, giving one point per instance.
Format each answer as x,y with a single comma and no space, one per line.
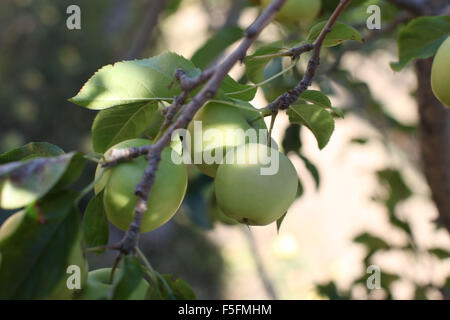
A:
371,206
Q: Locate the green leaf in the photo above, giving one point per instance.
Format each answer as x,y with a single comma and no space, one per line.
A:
31,150
36,253
134,81
181,290
280,221
115,125
236,90
373,243
312,170
359,140
291,139
421,38
216,45
73,171
129,277
387,279
396,187
331,291
23,182
396,222
95,223
440,253
254,68
318,120
318,98
338,34
300,189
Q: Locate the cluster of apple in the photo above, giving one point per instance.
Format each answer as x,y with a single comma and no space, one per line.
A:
243,194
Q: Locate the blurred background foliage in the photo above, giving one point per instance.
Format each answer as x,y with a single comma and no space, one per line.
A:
42,64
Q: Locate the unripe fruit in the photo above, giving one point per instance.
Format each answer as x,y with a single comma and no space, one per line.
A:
166,194
440,73
295,11
98,286
246,195
222,127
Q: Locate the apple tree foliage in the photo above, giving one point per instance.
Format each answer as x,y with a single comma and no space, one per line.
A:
129,98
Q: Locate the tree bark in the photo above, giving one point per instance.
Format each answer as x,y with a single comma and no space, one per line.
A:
434,139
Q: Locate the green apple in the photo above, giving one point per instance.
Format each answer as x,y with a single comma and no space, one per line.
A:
440,73
98,286
222,126
166,195
75,257
294,11
245,190
100,184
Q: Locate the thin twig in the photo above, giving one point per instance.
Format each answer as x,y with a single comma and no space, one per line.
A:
288,98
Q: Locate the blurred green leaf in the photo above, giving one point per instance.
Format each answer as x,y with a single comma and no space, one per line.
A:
338,34
115,125
31,150
95,223
21,183
359,140
36,253
373,243
280,221
399,223
397,189
134,81
300,189
387,279
318,120
420,293
440,253
291,140
331,291
216,45
312,170
73,171
421,38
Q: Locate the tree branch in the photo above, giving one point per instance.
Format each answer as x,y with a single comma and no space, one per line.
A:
214,77
290,97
